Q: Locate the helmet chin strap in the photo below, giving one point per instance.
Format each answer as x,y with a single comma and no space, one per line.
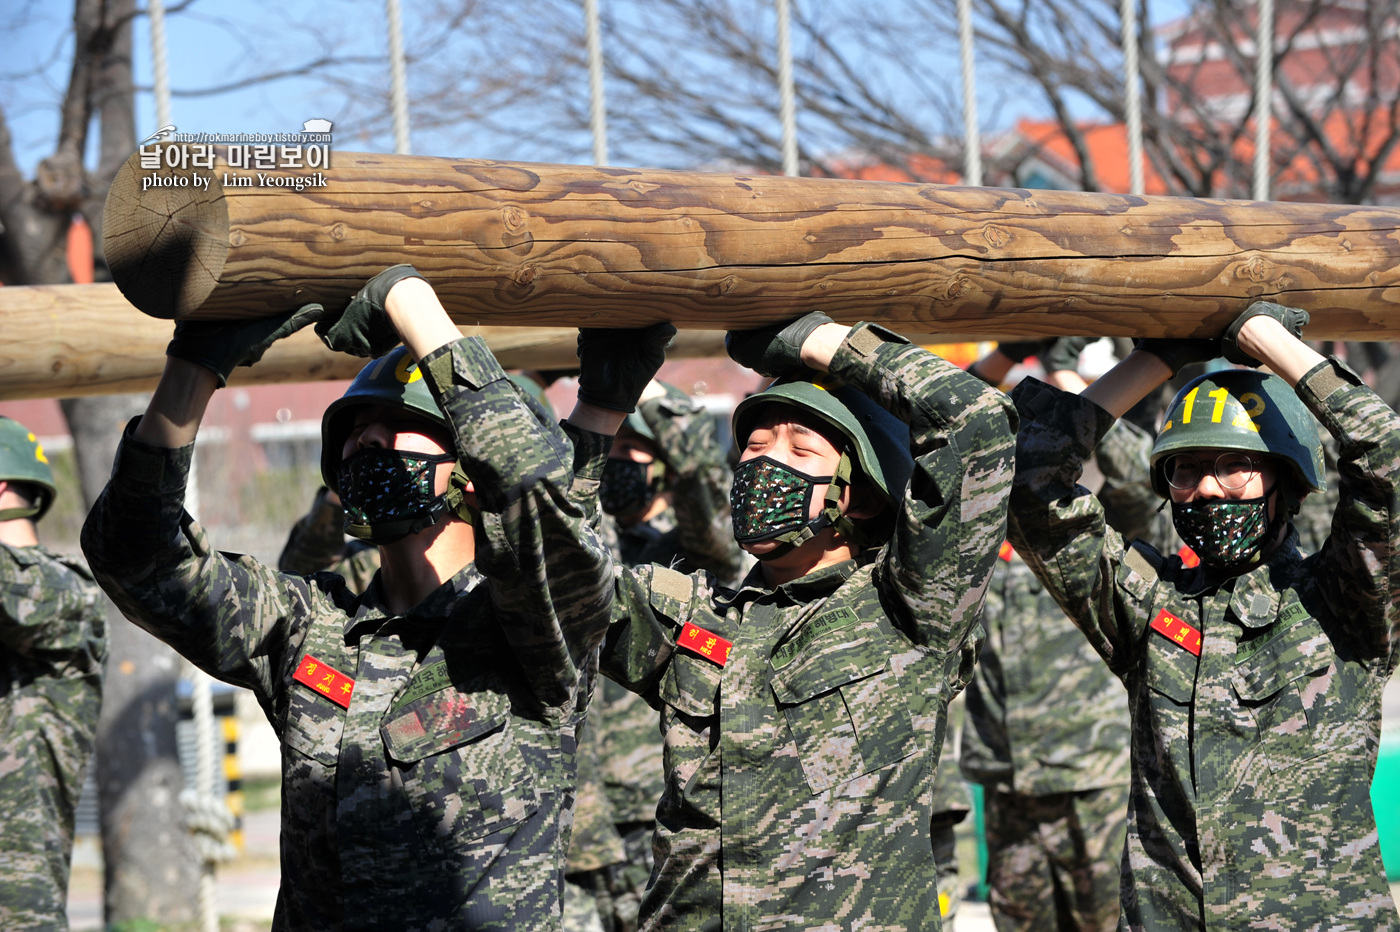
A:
830,516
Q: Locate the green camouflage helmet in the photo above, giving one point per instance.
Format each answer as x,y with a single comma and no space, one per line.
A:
394,381
1240,409
878,439
22,459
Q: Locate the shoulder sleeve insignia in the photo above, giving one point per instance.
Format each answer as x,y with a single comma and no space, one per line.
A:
705,643
1177,631
334,685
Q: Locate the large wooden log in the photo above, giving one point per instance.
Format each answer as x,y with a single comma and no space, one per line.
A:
556,245
62,341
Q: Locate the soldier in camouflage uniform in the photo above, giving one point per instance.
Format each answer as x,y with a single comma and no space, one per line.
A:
427,726
665,499
1255,678
53,642
804,712
1048,728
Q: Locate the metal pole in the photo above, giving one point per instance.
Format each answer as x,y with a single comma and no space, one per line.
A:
1263,98
787,105
972,134
1132,94
597,106
398,80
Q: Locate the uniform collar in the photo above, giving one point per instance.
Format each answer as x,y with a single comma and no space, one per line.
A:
370,616
1257,593
815,585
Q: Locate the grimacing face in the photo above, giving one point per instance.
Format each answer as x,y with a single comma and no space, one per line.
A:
797,440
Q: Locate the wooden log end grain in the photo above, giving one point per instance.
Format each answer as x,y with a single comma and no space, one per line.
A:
165,234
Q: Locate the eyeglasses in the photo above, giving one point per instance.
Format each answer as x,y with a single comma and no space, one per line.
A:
1232,470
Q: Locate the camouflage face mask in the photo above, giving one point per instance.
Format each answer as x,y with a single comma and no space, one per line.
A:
769,501
1224,532
388,494
624,488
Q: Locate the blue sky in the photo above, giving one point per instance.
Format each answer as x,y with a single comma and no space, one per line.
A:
217,42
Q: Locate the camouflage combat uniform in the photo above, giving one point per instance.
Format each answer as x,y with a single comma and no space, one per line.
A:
800,767
951,804
1254,746
693,533
53,641
441,796
1048,731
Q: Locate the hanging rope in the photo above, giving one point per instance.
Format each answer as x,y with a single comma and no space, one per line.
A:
597,107
1132,92
398,80
159,66
206,816
972,134
1263,98
787,104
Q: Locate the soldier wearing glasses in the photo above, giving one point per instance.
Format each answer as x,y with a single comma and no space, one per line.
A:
1255,678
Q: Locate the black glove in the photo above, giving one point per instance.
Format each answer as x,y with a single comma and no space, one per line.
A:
221,345
1179,353
364,328
775,350
1063,354
1293,320
616,365
1021,350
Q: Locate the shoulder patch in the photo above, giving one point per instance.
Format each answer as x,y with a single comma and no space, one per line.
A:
1143,560
672,584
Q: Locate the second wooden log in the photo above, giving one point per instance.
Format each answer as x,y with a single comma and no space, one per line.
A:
63,341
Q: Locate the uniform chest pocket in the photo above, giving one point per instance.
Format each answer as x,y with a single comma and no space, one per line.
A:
1285,682
462,771
1171,669
690,685
846,713
314,726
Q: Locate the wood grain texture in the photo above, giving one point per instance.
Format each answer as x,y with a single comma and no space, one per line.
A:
557,245
63,341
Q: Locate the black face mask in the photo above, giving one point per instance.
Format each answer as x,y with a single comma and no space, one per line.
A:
770,501
388,494
1225,532
624,489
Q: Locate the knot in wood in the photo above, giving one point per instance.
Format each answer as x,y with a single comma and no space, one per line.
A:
338,232
236,238
525,275
513,218
1256,269
957,286
994,236
723,286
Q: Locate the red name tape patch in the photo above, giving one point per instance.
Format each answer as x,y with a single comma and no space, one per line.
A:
1177,631
335,686
705,643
